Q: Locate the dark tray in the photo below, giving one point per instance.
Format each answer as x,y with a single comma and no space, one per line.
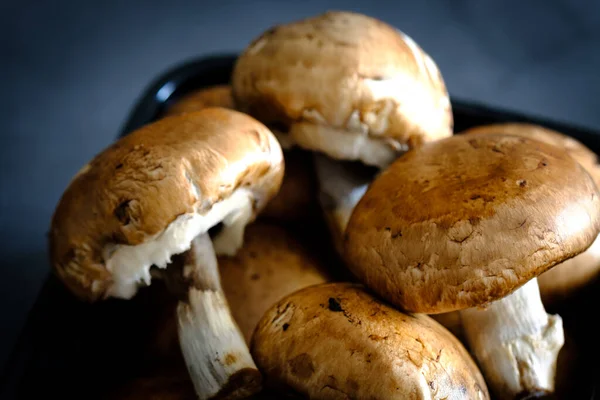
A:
70,349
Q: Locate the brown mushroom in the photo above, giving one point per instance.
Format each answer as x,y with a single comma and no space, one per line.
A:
562,281
337,341
467,223
347,86
156,193
212,96
273,263
297,197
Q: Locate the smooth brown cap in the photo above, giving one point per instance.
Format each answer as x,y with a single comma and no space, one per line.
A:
467,220
135,188
580,152
272,264
297,198
337,341
214,96
560,282
347,71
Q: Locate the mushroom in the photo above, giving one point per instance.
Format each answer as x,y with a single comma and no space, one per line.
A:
467,223
338,341
567,278
196,100
347,86
273,263
296,199
155,194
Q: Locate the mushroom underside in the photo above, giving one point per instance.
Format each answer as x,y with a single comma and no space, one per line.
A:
214,349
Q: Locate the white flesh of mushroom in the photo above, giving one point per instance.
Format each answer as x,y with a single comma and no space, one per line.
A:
514,339
343,145
130,265
340,190
515,342
211,342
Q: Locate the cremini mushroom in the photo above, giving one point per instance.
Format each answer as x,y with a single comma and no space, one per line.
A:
338,341
273,263
297,197
567,278
155,194
347,86
196,100
467,223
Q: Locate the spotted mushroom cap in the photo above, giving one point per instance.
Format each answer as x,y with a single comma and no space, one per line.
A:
172,171
566,278
337,341
467,220
348,73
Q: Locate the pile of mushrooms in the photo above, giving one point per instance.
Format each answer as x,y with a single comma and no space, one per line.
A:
452,243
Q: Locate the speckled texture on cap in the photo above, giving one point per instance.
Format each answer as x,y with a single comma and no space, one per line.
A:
337,341
347,71
467,220
136,187
566,278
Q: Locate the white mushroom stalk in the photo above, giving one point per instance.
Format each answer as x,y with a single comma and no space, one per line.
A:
516,342
216,355
340,191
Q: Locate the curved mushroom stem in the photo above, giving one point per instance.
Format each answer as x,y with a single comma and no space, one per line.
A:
216,355
515,342
340,190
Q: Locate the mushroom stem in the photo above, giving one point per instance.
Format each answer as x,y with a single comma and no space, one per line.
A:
340,189
216,355
231,238
515,342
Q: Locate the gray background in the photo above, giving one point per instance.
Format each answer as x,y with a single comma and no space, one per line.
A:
71,71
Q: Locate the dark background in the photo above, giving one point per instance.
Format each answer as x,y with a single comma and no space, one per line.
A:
71,71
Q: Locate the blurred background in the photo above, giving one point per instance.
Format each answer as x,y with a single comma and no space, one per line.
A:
71,72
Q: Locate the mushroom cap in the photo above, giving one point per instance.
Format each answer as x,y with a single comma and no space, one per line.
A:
213,96
297,198
335,340
170,173
564,279
273,263
341,80
468,220
580,152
